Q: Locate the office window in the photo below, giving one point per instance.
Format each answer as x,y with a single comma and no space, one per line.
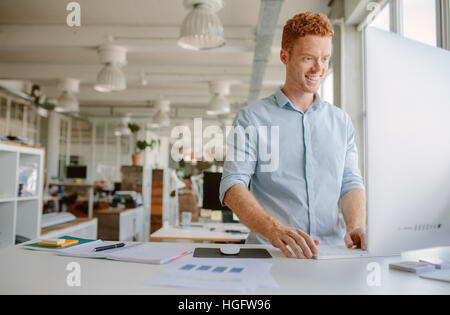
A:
80,142
16,119
111,151
382,20
32,123
327,89
64,148
419,20
20,120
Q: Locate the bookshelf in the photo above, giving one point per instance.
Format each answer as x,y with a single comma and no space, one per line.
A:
20,164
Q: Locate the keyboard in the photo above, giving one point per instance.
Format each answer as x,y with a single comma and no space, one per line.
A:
339,252
51,219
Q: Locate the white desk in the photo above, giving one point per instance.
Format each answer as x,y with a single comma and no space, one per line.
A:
203,233
31,272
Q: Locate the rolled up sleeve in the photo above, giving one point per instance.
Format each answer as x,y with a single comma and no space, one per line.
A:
241,157
352,176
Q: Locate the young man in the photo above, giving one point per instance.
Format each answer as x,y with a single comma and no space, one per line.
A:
296,205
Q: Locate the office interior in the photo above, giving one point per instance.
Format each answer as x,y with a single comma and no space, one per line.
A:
92,160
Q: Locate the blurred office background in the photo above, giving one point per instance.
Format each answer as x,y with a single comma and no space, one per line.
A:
78,99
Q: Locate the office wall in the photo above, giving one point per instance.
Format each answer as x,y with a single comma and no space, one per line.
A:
348,68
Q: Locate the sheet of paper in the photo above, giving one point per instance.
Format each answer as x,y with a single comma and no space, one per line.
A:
339,252
243,275
149,254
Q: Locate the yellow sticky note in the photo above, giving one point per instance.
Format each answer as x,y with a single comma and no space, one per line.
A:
216,215
64,244
53,241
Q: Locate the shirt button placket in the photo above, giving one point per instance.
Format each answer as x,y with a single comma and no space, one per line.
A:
309,173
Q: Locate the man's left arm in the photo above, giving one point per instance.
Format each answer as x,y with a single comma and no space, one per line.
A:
353,197
353,205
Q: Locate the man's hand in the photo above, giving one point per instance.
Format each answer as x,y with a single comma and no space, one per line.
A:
355,237
301,243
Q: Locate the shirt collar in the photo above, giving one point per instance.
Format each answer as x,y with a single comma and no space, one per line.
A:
282,100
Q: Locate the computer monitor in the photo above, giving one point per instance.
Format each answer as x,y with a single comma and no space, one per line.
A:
76,172
407,148
211,201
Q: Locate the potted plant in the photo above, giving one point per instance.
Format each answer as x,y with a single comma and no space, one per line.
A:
139,145
136,156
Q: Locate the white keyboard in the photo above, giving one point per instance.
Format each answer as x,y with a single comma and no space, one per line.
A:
339,252
51,219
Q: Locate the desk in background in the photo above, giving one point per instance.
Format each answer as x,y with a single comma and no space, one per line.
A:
88,187
81,227
209,232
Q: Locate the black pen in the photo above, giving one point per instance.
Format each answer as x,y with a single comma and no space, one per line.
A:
101,248
235,232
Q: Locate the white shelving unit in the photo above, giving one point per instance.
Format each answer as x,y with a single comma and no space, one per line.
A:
19,215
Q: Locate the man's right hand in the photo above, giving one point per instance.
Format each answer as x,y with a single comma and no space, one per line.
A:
301,243
250,212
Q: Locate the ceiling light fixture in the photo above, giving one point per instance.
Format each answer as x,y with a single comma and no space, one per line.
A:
111,77
202,28
122,128
219,104
161,118
67,102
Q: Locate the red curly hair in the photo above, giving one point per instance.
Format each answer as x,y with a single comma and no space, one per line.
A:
303,24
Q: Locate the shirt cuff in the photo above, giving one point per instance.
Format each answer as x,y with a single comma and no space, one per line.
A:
349,187
230,181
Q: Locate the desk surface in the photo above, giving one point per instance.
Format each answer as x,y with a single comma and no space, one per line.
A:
25,271
63,226
111,211
79,185
202,233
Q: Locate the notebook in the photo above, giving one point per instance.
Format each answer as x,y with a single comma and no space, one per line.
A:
60,243
138,253
36,246
87,250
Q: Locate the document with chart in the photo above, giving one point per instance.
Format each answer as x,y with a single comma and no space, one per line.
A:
218,274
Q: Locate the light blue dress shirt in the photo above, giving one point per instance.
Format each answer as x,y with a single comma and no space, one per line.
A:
318,163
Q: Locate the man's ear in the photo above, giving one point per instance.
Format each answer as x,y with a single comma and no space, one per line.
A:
284,56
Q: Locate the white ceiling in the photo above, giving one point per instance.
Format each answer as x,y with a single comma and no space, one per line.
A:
37,45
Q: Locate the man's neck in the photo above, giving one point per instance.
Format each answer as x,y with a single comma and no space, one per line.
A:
299,99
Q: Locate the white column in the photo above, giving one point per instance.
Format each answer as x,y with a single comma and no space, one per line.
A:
25,121
164,153
91,169
397,16
53,145
8,117
118,155
443,23
68,140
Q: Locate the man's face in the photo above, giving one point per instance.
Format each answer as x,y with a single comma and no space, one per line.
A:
307,62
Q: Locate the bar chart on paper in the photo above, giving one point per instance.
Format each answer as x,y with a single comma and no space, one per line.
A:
217,274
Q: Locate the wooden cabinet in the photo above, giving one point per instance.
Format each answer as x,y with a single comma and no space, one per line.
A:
157,200
132,178
120,225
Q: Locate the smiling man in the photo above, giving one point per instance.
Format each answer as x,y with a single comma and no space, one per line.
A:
296,205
